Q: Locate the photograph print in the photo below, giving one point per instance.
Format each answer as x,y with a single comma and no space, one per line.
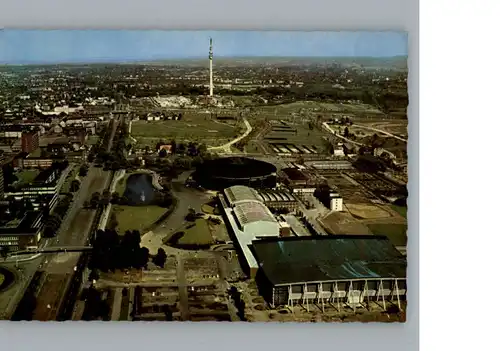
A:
255,176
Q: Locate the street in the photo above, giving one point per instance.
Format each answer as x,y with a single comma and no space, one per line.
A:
74,230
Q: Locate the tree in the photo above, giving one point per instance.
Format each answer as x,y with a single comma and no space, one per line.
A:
52,224
143,257
106,197
75,185
113,221
346,132
202,149
83,171
95,199
181,148
115,198
4,251
160,258
173,146
9,176
94,275
191,215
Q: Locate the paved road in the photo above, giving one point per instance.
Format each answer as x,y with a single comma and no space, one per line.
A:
227,147
186,198
70,232
74,231
380,131
332,131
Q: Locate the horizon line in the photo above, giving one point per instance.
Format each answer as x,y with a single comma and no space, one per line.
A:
192,58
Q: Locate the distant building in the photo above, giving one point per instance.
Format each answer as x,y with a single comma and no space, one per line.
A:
167,148
29,141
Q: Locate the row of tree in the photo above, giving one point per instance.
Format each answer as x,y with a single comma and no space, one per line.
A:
111,251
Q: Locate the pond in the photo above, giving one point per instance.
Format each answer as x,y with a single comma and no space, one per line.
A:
139,189
6,278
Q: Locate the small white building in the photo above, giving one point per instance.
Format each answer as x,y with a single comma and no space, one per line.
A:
336,202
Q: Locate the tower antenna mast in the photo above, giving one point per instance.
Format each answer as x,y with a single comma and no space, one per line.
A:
210,58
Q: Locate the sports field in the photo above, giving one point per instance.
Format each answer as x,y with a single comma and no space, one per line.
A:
194,128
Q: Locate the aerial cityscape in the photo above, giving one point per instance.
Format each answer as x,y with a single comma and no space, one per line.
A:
203,176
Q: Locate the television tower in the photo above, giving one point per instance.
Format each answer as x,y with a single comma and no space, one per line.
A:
210,58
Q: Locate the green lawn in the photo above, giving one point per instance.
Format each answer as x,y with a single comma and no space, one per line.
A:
27,176
403,211
395,232
65,188
93,139
121,185
36,153
190,129
199,234
136,217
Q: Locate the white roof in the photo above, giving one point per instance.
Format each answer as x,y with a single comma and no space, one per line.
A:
249,212
239,193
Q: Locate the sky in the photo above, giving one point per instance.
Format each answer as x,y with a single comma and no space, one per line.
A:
66,46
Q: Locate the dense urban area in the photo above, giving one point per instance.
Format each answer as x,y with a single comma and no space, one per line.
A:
150,191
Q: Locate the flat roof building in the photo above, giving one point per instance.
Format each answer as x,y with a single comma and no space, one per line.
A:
26,235
341,269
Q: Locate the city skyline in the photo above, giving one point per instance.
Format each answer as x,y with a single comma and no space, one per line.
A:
93,46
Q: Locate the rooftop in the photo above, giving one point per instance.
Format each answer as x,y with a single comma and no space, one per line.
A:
275,195
240,193
320,259
294,174
249,212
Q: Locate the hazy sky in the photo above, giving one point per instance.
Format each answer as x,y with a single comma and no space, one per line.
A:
44,46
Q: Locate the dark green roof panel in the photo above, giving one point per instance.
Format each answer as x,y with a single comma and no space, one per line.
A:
340,257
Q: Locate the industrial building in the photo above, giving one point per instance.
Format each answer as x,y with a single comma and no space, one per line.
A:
330,165
341,270
329,197
278,199
301,182
247,219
